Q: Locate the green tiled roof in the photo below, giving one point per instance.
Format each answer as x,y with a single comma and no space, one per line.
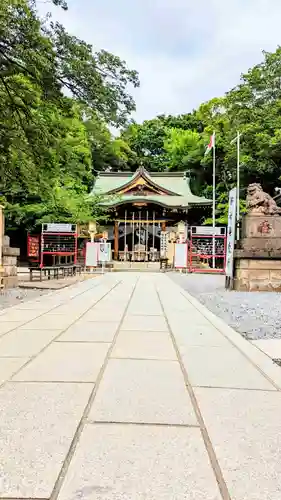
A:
175,182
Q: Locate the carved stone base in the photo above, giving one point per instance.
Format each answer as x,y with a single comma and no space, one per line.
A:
261,226
263,275
261,233
9,264
257,261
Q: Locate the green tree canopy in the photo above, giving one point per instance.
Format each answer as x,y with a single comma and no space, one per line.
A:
55,61
49,141
59,98
252,107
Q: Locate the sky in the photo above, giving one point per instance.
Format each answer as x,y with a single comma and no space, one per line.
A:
186,51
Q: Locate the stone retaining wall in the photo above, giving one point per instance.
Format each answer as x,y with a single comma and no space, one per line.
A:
8,258
257,260
258,275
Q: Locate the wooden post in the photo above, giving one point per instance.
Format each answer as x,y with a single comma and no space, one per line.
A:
116,240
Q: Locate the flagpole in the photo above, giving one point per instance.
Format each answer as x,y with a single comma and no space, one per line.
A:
238,185
214,198
237,140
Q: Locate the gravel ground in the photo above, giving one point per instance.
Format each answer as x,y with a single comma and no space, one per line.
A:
256,315
15,296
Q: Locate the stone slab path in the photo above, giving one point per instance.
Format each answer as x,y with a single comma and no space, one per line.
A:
124,387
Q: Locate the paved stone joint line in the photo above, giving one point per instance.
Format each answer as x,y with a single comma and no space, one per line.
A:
142,375
248,389
58,341
10,309
207,441
66,382
55,338
48,311
63,472
208,316
150,424
141,359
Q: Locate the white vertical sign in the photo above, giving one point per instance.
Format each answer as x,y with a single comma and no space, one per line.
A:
104,254
181,255
91,254
231,227
164,237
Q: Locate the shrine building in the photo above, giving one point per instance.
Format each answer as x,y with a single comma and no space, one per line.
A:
141,204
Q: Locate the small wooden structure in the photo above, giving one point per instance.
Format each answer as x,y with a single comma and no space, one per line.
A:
53,252
56,245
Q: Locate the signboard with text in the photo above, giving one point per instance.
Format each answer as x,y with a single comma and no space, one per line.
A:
208,230
164,238
59,228
181,255
91,254
104,254
231,229
33,246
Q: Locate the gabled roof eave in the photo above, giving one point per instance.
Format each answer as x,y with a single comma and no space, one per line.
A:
142,173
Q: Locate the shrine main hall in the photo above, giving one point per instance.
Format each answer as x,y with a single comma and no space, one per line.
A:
141,205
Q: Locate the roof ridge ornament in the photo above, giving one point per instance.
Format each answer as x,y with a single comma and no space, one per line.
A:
141,170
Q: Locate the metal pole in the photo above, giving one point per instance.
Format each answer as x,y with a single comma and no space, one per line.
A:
139,233
133,238
42,250
238,185
125,237
146,237
92,237
153,235
102,267
214,199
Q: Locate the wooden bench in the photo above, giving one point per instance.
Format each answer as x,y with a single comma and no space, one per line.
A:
71,269
55,271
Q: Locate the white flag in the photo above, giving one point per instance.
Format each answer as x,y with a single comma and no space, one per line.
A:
211,144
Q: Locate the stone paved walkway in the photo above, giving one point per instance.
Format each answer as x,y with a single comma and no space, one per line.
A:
125,387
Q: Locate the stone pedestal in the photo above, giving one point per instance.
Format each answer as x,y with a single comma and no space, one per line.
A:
257,261
9,264
8,258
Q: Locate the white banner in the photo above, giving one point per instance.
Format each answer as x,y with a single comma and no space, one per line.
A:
59,228
231,228
208,230
104,254
164,238
180,255
91,254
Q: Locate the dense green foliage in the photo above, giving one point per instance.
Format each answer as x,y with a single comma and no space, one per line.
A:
58,99
253,108
52,144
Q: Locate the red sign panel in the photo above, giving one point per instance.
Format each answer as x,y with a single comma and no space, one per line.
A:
33,246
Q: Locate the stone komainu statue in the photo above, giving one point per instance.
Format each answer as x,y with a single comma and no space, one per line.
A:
259,202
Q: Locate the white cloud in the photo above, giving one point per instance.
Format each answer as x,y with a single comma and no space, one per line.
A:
186,52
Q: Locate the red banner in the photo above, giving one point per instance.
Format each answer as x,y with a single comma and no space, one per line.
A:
33,246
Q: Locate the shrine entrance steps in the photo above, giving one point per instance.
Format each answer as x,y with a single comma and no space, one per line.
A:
136,266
